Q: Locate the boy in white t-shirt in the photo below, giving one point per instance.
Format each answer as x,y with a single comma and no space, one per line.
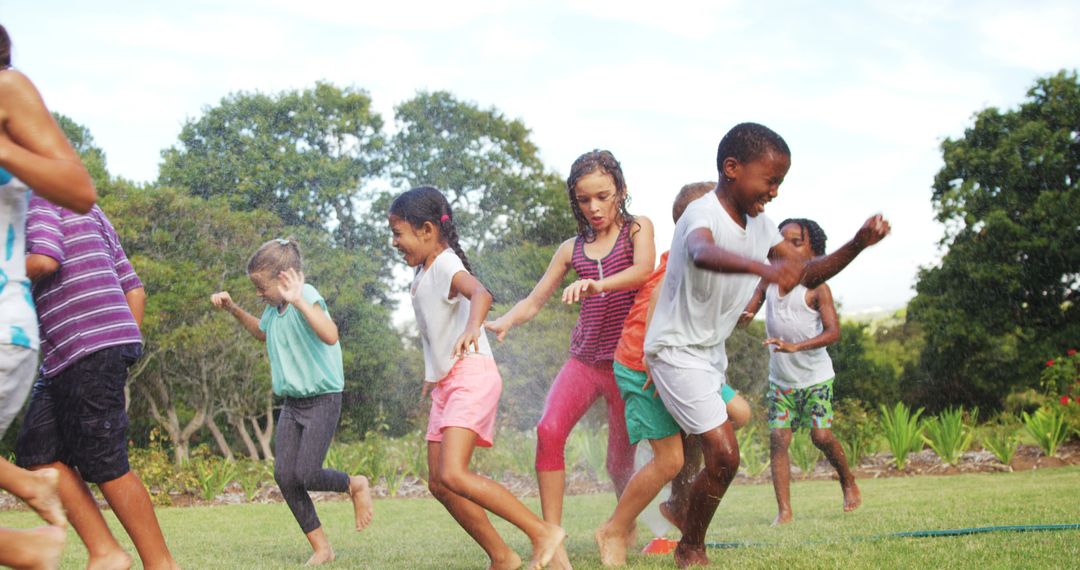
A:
720,249
800,323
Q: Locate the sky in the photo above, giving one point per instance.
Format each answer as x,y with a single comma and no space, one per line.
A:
863,92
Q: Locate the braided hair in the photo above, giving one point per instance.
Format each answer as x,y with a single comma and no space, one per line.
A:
276,256
427,204
810,230
596,161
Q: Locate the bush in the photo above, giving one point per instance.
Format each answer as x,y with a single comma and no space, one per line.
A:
803,452
948,435
903,432
857,431
1047,427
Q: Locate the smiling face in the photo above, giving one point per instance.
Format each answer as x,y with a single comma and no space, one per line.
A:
753,184
417,245
267,286
596,195
797,236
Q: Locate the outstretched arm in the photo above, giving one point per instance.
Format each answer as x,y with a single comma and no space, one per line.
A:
830,324
223,301
34,149
704,253
528,307
292,287
821,269
630,278
479,303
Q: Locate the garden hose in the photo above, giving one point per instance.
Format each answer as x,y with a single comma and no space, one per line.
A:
917,534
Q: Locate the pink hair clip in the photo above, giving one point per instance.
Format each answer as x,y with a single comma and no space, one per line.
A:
445,218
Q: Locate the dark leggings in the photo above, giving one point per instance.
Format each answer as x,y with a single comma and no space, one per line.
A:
305,428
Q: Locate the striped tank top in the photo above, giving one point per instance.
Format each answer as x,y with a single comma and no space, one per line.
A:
600,322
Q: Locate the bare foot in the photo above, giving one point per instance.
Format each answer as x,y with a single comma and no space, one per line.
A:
43,498
320,557
360,493
115,560
612,546
852,497
39,548
667,509
631,537
686,555
547,546
511,562
782,518
561,561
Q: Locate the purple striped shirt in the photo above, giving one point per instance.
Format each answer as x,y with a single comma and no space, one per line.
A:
82,307
600,321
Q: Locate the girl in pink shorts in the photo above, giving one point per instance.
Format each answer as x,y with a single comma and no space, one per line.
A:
613,254
461,376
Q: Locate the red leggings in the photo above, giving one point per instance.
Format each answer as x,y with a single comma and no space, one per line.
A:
576,387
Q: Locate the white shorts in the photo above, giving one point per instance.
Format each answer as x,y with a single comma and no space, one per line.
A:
690,389
18,368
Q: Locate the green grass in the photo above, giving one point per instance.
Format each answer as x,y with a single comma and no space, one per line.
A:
418,533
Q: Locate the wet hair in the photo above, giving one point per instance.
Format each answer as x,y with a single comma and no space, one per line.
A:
276,256
596,161
746,142
427,204
687,194
5,48
811,230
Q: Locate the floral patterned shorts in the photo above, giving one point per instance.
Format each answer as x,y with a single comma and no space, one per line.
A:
794,408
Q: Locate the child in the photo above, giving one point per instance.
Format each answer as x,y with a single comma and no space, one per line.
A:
33,153
461,376
800,323
646,417
613,255
90,304
306,369
719,250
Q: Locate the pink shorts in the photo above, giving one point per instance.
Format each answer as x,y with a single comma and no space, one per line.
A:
467,397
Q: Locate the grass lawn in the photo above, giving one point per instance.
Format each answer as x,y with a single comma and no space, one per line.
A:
418,533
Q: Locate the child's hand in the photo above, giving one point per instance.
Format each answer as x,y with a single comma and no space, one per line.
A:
291,285
787,273
873,230
467,338
744,319
222,300
581,289
499,326
648,383
781,345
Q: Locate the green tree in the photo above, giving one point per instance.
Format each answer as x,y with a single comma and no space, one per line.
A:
1006,294
303,155
93,157
858,374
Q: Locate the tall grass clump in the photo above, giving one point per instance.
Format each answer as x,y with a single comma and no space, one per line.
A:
903,431
803,452
1047,427
948,435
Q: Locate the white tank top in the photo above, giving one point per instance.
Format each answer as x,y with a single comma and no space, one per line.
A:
789,318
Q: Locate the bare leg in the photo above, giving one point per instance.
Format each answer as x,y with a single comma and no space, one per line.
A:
674,509
721,454
37,488
552,486
780,465
82,510
322,552
469,515
642,488
129,500
34,549
457,448
363,507
824,439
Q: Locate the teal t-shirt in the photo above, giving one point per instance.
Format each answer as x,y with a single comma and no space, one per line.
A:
301,365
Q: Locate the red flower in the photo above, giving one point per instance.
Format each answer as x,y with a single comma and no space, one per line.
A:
1064,400
1049,363
1070,352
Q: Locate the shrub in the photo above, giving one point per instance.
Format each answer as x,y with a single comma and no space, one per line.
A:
803,452
753,451
856,430
1047,427
948,435
903,431
1002,444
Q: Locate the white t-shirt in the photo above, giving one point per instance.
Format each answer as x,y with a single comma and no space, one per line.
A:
441,320
789,318
18,319
698,308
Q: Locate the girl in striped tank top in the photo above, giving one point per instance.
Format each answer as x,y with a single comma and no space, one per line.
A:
613,254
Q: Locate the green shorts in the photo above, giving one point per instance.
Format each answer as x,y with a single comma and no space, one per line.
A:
794,408
646,416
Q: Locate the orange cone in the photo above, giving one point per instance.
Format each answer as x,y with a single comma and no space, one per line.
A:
660,545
